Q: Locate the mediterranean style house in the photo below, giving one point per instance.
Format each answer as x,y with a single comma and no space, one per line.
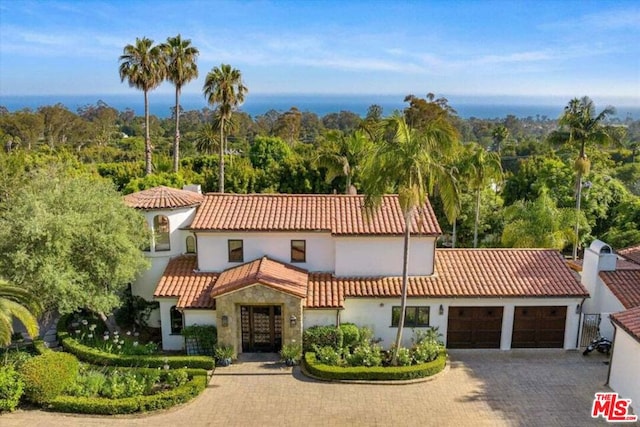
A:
264,267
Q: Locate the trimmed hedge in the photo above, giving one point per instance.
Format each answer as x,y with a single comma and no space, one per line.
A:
378,373
40,347
128,405
102,358
48,375
322,336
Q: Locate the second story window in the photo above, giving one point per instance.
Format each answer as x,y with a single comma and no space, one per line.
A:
236,252
298,251
191,245
161,233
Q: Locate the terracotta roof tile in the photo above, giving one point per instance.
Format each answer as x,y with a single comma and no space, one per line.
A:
461,273
631,253
337,214
191,287
274,274
625,285
163,198
621,264
629,320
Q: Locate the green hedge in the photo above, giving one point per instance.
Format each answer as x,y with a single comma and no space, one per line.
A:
40,347
128,405
379,373
322,336
102,358
48,375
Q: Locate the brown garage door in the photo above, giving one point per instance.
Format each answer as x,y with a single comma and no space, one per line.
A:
538,327
474,327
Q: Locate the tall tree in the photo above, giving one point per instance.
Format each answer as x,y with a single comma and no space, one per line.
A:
142,65
480,168
499,133
224,87
180,57
341,155
412,163
585,126
16,302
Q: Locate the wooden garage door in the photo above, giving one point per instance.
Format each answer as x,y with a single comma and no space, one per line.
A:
538,327
474,327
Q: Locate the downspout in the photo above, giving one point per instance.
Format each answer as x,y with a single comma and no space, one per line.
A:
579,324
613,347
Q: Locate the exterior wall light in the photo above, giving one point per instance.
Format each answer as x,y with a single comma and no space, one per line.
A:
441,310
293,320
225,321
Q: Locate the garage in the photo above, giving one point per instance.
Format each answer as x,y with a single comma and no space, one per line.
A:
539,327
474,327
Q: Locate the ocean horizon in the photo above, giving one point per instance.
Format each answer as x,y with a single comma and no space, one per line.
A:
160,104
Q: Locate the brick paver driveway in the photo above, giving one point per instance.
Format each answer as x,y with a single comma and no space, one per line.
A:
514,388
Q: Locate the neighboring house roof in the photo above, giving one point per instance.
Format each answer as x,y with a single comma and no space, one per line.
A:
621,264
267,272
337,214
625,285
631,253
460,273
181,280
629,320
163,198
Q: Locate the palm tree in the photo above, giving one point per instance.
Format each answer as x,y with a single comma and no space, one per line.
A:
180,58
584,127
142,65
499,134
223,86
19,303
412,163
481,169
341,155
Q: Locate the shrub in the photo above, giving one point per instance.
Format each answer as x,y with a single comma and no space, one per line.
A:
48,375
88,384
379,373
11,388
426,351
350,334
405,358
124,384
200,339
322,336
176,378
328,355
365,355
291,352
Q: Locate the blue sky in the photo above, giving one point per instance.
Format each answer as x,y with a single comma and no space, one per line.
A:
475,48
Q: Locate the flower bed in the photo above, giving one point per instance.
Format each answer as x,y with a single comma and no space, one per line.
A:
375,373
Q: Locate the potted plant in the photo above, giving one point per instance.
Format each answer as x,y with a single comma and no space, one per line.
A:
291,353
223,355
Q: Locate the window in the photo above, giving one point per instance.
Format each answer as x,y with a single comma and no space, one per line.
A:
413,317
161,233
236,253
191,245
176,320
298,251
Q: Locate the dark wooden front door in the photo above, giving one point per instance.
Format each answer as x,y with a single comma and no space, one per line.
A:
539,327
261,328
474,327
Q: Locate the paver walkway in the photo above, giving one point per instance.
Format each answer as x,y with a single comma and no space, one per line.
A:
481,388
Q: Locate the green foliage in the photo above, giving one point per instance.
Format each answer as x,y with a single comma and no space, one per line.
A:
350,334
134,310
71,240
328,355
291,351
405,357
322,336
48,375
223,352
11,388
176,377
168,179
88,384
200,339
21,304
426,351
365,355
377,373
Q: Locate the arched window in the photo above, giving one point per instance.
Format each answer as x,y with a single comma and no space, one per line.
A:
161,233
191,245
176,320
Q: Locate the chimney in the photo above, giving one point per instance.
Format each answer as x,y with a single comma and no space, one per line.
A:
597,257
196,188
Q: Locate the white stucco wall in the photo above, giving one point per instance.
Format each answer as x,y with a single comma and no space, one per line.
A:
169,340
213,252
199,317
608,304
178,219
379,256
625,368
376,314
315,317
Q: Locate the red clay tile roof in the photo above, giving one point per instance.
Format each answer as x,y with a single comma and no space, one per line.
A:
191,287
625,285
267,272
338,214
461,273
621,264
163,198
629,320
631,253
